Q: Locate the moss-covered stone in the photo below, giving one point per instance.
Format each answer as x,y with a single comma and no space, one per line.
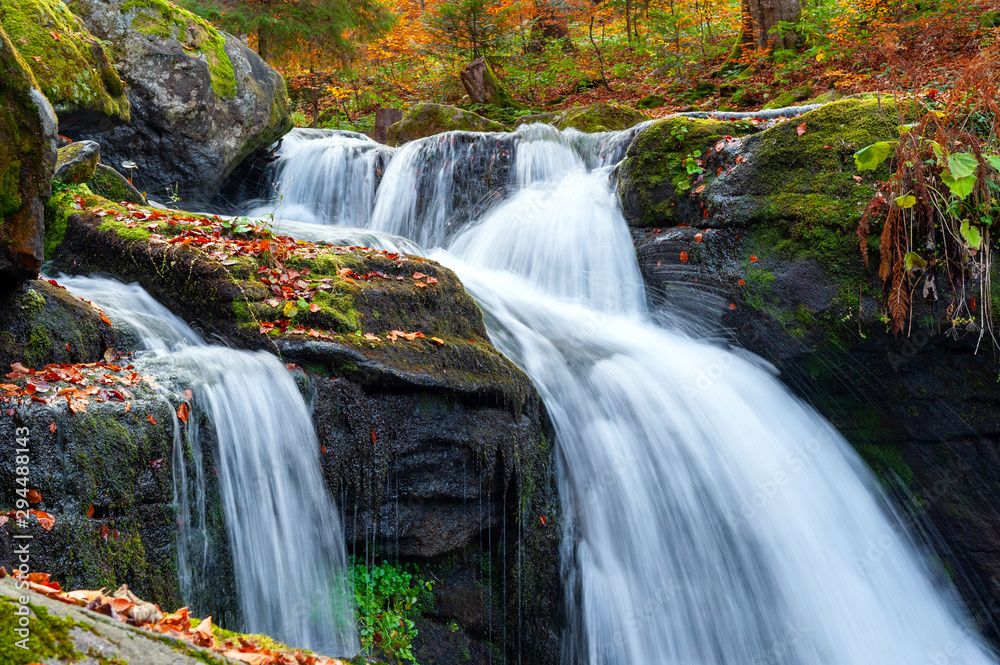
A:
703,90
653,181
71,66
112,185
650,102
47,637
77,162
790,97
426,119
598,117
27,158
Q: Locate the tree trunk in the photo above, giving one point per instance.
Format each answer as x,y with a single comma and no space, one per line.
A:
263,49
484,86
760,16
628,20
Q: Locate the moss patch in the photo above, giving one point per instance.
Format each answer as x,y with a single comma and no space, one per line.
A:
48,639
74,71
426,119
598,117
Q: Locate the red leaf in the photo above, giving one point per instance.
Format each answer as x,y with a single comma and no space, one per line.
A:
90,511
740,282
801,129
753,259
105,319
323,449
972,304
55,35
373,437
104,532
697,237
732,305
36,58
684,257
543,520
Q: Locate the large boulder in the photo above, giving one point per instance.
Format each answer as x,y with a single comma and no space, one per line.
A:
69,63
598,117
201,100
28,134
426,119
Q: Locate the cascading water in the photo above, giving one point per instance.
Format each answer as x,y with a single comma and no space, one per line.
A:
713,519
284,533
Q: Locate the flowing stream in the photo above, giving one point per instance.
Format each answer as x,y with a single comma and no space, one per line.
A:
287,545
711,517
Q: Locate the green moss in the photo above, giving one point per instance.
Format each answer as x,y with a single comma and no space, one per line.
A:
165,20
74,72
10,198
653,176
598,117
48,640
113,186
426,119
57,212
790,97
887,462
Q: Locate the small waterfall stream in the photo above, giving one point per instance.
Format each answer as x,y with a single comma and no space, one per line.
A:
284,532
712,518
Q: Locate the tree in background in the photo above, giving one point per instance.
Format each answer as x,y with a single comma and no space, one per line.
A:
296,26
472,28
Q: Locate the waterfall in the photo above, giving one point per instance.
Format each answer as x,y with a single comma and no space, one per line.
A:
711,517
287,545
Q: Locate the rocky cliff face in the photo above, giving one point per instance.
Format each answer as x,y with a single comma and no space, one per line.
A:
768,254
201,100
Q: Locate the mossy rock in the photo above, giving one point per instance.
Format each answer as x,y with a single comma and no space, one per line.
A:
27,159
77,162
704,90
827,97
202,100
426,119
112,185
41,324
69,63
650,102
790,97
653,182
598,117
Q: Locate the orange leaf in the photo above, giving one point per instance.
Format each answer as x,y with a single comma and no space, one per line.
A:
740,282
732,305
314,308
182,413
151,418
697,237
53,427
753,259
188,394
440,342
684,257
105,319
45,519
421,285
104,532
419,275
90,511
801,129
34,496
121,605
251,658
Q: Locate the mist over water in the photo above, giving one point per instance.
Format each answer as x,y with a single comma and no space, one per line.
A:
710,517
284,533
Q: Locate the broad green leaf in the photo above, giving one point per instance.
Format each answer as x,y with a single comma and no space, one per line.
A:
960,187
971,235
994,161
907,201
868,159
912,261
962,164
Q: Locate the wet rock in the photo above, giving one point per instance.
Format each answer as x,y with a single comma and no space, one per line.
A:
72,68
426,119
27,157
41,324
201,100
77,162
598,117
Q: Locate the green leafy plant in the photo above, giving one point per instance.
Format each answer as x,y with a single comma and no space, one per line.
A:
389,597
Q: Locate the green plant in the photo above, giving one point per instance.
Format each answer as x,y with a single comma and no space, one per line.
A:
389,596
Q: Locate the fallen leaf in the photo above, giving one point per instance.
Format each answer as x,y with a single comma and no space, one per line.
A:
372,338
314,308
740,282
188,395
182,413
34,496
104,532
90,511
45,519
684,257
151,418
421,285
440,342
697,237
53,427
801,129
105,319
419,275
732,305
753,259
543,520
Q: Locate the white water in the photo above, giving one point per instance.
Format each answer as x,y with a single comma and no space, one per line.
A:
711,517
284,533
